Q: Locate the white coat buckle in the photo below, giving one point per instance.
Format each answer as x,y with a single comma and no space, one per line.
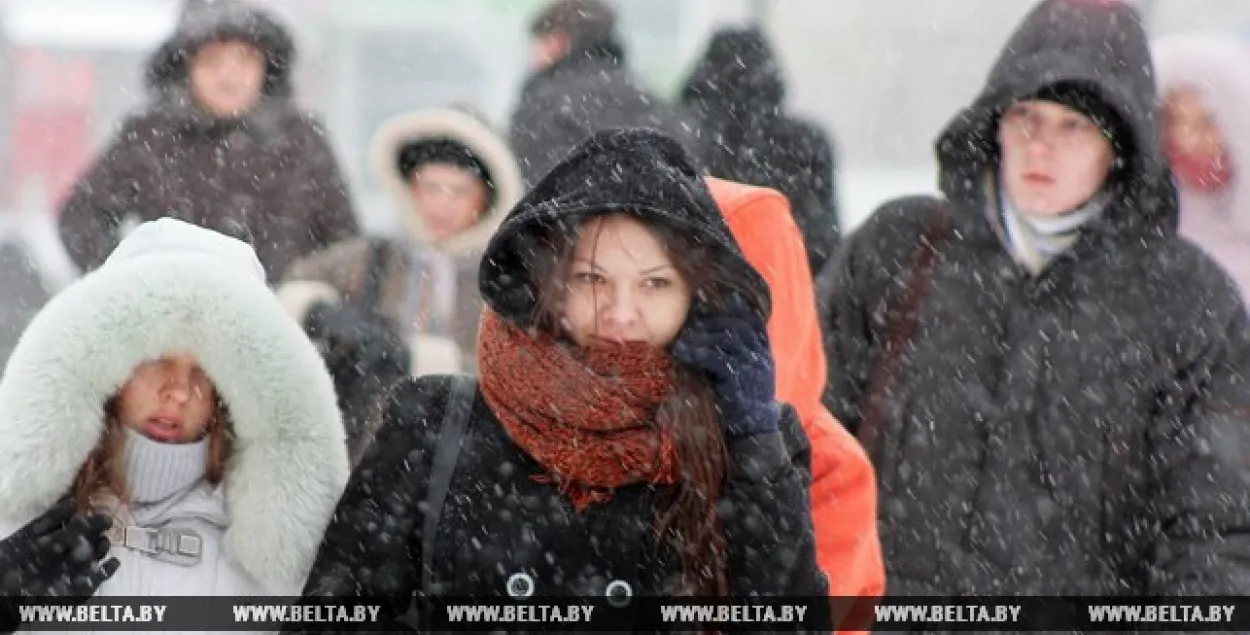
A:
176,546
141,539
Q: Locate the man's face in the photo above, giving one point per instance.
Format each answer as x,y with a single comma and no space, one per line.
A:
1053,158
547,50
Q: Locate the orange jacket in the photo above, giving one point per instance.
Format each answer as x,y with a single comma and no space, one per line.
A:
844,489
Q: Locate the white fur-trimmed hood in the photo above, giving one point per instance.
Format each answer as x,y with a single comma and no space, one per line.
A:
447,123
1215,65
289,464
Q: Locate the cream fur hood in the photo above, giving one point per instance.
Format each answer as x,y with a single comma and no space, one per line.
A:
171,286
455,125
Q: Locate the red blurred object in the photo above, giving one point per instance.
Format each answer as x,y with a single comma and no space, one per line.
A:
53,98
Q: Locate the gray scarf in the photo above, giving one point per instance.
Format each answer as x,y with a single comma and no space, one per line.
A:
1034,240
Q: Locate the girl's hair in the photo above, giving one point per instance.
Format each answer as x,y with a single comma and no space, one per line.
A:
104,471
687,523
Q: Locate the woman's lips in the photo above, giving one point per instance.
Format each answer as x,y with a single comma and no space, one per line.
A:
162,429
1039,179
611,341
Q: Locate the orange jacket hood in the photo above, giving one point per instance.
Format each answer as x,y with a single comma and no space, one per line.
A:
844,490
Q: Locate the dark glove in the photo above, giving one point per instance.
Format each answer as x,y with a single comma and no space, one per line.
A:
365,356
358,339
56,555
732,348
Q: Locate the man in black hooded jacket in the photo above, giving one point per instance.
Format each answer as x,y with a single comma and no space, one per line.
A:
736,94
1053,391
580,85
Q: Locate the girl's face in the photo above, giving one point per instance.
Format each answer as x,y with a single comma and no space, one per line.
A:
450,198
622,286
169,400
1189,126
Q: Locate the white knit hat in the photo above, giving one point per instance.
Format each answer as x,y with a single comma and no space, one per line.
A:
169,239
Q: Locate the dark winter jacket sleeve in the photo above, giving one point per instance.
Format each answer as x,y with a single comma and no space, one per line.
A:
318,190
852,286
372,548
1201,444
103,196
814,194
767,518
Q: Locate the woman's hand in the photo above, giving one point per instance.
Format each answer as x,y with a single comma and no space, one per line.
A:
732,348
57,555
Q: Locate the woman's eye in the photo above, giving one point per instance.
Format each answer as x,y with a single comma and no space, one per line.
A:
659,283
586,277
199,377
1078,125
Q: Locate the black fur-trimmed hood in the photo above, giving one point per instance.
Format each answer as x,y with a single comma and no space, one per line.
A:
208,20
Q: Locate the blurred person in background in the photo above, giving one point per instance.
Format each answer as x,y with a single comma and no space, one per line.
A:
736,94
222,139
451,178
581,83
1051,383
1205,85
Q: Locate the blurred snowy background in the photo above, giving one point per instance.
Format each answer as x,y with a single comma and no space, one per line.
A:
882,75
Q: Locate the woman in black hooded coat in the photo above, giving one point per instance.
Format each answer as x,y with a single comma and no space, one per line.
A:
628,455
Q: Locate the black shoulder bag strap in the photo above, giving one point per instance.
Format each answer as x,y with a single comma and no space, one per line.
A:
375,276
902,318
447,453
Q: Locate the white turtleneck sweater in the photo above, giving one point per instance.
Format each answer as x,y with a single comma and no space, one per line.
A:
168,489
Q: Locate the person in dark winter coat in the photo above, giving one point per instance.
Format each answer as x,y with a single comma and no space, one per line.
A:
221,140
736,93
1050,382
623,437
581,84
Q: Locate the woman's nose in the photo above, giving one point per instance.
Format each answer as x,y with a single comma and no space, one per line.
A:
178,390
621,308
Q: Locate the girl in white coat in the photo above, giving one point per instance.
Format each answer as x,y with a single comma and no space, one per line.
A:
169,391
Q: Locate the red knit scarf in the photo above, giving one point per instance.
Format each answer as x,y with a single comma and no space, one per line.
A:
1201,172
586,414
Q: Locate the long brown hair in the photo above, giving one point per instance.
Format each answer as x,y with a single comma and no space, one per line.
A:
104,471
687,523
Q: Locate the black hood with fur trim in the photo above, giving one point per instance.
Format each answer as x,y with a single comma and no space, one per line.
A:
205,21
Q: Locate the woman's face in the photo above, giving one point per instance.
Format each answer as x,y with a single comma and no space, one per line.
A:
1189,127
622,286
1054,158
169,400
227,77
448,197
